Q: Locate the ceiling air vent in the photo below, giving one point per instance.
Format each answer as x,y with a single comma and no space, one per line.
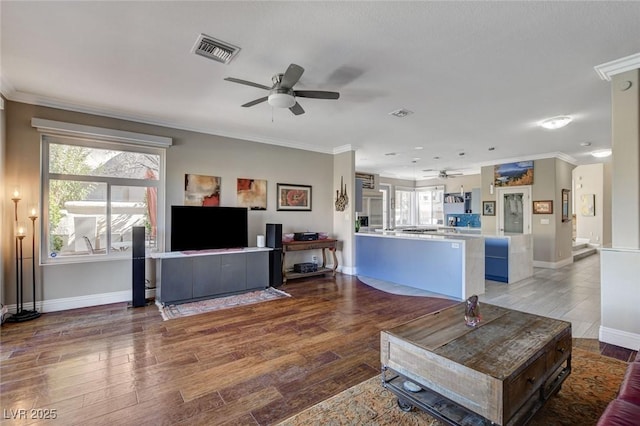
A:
214,49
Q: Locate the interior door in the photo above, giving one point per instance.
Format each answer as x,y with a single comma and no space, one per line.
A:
514,210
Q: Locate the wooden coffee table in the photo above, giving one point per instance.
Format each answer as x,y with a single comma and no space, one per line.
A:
499,372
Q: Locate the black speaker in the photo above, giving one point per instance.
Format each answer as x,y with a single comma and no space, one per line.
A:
138,267
275,267
274,235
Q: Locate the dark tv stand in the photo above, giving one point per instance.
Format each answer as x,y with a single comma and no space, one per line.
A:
195,275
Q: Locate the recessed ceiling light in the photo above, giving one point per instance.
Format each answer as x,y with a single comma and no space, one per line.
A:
419,147
416,159
390,154
461,154
601,153
436,158
492,148
585,144
554,123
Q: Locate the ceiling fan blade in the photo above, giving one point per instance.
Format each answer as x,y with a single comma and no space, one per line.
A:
257,101
317,94
248,83
296,109
291,76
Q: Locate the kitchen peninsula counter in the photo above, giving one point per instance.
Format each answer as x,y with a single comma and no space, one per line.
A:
449,264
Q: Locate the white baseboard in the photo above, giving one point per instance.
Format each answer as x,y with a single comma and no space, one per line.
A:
347,270
620,338
552,265
66,303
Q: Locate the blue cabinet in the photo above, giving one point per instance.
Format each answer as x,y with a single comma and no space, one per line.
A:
496,263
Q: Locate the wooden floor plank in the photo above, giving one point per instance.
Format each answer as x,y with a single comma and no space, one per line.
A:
256,364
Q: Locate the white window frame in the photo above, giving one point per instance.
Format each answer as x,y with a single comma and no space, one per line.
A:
414,207
95,137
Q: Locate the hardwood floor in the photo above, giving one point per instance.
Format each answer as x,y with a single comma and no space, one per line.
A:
256,364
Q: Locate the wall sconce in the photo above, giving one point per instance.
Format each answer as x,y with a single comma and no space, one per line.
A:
20,233
341,197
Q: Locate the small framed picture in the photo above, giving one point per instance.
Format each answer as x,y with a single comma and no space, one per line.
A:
488,208
543,207
294,197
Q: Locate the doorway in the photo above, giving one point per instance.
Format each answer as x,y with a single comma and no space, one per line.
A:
514,210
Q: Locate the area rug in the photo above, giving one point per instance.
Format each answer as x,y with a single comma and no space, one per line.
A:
194,308
593,382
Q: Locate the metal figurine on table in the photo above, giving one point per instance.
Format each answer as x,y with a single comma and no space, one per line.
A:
472,311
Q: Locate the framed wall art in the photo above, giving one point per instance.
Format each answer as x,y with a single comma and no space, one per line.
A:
566,214
588,204
252,193
294,197
543,207
488,208
200,190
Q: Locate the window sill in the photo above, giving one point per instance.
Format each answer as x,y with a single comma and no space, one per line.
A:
90,258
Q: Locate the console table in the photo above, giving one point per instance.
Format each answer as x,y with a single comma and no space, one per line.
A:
328,243
195,275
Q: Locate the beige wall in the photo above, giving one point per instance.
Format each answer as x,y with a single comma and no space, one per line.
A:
344,222
192,153
4,236
551,242
587,180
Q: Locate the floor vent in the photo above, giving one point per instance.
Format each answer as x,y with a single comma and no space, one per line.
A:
217,50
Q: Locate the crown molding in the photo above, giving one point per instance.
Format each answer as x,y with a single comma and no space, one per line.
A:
609,69
27,98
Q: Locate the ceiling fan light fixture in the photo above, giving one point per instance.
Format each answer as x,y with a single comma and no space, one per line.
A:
554,123
281,100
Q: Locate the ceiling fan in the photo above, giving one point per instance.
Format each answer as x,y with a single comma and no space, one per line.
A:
444,174
281,94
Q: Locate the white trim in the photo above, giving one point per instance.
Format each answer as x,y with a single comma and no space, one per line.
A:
347,270
619,338
100,133
609,69
552,265
30,99
343,148
76,302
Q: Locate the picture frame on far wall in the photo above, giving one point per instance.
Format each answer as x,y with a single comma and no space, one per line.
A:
293,197
566,217
543,207
488,208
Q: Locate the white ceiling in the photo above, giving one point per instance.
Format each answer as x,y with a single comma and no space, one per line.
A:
475,74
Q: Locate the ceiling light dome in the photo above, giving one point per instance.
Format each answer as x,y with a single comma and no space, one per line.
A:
554,123
601,153
281,100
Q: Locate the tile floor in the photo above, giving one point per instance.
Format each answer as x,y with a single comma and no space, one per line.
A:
571,293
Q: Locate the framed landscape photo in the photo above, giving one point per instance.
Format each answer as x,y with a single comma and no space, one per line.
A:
543,207
488,208
294,197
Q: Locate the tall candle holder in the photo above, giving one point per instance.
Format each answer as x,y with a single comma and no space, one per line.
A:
33,216
20,233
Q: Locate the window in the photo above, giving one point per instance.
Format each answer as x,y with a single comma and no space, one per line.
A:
419,206
430,205
405,206
94,192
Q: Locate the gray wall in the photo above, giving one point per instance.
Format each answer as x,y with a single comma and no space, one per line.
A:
192,153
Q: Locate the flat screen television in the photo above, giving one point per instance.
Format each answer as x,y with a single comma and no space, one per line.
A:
202,228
